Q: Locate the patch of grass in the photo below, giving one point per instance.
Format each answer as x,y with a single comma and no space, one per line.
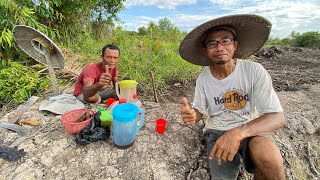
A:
141,55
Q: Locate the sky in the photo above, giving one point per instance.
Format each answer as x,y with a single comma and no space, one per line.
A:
285,15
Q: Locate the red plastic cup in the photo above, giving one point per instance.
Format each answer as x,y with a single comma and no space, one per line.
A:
110,101
161,125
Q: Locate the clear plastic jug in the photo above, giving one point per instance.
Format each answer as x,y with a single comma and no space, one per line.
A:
128,88
126,124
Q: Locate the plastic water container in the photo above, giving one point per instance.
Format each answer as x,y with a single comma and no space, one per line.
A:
125,124
127,89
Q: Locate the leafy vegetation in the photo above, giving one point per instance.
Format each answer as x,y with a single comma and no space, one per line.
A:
63,21
18,82
155,49
308,39
285,42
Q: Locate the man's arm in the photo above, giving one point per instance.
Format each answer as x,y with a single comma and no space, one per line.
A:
90,89
114,80
266,123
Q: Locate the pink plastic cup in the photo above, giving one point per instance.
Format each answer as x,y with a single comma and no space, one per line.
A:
161,125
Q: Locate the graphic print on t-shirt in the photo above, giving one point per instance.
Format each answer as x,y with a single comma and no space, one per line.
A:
232,99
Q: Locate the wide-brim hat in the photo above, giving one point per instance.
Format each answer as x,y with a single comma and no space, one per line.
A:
61,104
252,32
32,42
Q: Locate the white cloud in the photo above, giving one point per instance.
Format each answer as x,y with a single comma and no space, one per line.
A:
285,15
225,2
162,4
138,22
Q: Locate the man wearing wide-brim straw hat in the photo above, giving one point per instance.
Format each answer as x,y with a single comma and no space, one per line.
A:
236,95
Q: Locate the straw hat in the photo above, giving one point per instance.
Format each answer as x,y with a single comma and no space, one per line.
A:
33,43
252,32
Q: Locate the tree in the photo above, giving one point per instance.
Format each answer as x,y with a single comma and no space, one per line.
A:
152,28
64,21
103,16
108,9
165,25
142,31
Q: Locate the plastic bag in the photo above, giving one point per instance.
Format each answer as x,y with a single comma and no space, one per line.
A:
11,153
93,132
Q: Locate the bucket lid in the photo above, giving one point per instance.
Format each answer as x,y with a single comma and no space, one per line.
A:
125,112
128,84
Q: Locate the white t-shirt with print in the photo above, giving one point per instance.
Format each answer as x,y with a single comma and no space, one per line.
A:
233,101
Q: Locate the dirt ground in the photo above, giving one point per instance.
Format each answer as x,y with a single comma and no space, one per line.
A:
180,153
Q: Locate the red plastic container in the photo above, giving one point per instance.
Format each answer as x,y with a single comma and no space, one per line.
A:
68,120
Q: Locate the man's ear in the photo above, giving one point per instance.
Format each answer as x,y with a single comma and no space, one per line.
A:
235,45
205,51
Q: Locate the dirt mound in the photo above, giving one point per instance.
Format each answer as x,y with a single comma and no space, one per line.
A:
291,69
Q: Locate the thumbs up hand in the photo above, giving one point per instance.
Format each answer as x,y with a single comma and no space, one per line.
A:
188,114
105,78
106,68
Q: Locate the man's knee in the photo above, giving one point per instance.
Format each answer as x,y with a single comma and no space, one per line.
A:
93,99
267,158
265,154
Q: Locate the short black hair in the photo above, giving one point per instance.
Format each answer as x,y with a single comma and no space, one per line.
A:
218,28
110,46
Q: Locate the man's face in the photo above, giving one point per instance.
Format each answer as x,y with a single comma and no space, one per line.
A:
220,46
110,57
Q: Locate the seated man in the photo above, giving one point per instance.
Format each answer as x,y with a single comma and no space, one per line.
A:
237,96
97,81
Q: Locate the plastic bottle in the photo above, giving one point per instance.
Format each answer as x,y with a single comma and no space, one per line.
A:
136,101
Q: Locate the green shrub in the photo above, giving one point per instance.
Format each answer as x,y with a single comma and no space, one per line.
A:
18,83
285,42
308,39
